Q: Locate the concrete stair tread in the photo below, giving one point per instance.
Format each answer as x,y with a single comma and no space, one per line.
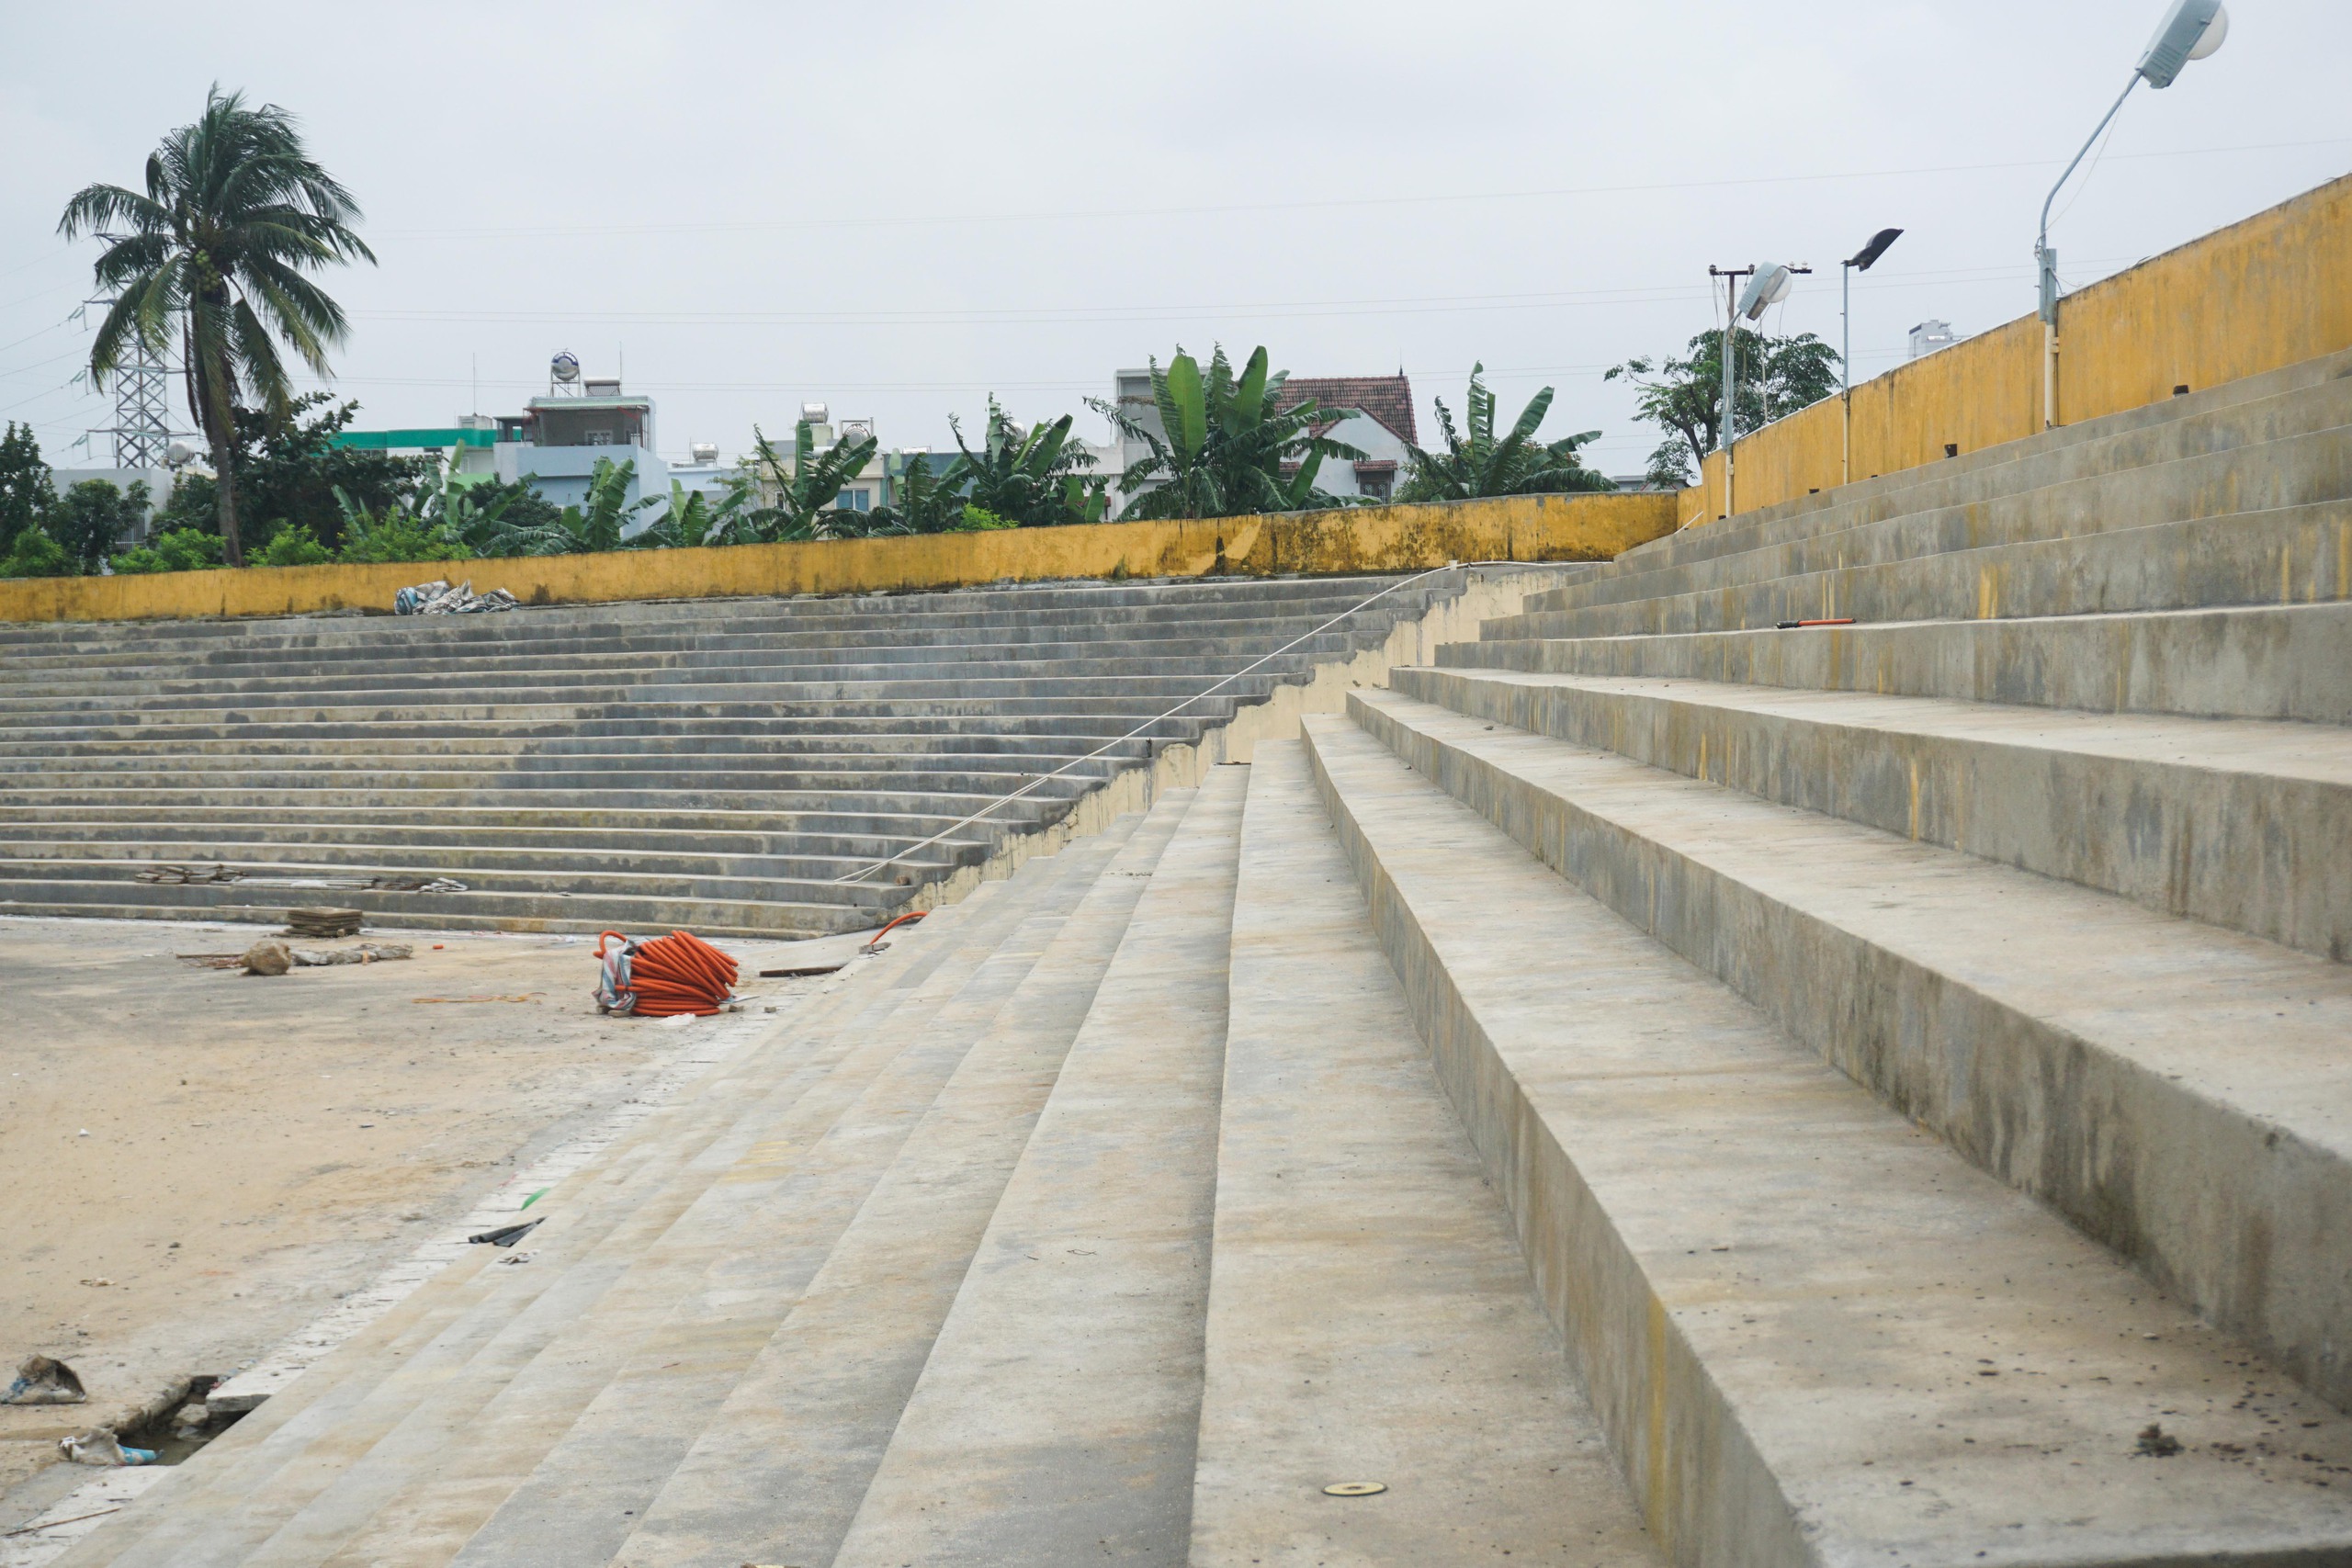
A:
1370,1317
2007,1011
608,1404
1060,1403
1782,1296
490,1324
777,1468
2255,661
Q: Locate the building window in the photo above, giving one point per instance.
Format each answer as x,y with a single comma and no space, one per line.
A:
1376,487
854,501
600,438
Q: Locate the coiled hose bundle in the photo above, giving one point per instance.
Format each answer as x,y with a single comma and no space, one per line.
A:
661,979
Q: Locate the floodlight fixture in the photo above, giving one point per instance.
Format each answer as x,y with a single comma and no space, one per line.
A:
1861,261
2191,29
1768,285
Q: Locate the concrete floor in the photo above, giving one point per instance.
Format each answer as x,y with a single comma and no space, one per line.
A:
195,1163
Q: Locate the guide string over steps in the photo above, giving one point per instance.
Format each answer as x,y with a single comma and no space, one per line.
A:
1043,779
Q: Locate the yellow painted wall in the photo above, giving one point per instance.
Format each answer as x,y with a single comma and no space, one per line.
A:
1354,539
2269,292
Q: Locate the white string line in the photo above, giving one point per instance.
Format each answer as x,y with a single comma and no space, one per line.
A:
1043,779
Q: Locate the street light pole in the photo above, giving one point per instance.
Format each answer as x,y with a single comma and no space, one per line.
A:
1730,357
2191,29
1861,261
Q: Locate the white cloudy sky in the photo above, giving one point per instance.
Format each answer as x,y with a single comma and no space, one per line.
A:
899,207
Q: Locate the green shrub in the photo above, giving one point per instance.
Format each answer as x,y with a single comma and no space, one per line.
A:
399,535
293,545
173,549
35,554
980,520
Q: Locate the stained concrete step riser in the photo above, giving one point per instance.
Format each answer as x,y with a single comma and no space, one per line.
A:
2229,1187
642,1181
2043,514
2229,664
799,809
807,752
516,821
662,685
1064,1387
1077,733
902,783
481,911
2240,847
137,831
1070,605
589,656
393,854
2245,415
1811,1333
1119,699
594,1406
2303,556
486,884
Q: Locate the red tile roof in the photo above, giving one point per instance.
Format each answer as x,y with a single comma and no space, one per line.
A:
1388,399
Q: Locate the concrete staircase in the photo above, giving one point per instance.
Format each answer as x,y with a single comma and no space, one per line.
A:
1648,1087
718,765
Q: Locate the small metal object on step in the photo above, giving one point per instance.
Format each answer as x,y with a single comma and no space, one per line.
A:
1354,1488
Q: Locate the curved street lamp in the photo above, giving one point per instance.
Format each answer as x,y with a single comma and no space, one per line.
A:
1861,261
2190,30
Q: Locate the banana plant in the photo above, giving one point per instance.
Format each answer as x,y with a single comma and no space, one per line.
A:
1032,478
1228,449
1516,463
805,493
578,530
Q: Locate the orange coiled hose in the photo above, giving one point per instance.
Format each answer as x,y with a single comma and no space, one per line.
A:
675,974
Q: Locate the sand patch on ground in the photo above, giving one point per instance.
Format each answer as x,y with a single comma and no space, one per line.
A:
195,1163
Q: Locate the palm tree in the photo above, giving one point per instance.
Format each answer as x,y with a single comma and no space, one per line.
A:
1517,464
1226,446
235,213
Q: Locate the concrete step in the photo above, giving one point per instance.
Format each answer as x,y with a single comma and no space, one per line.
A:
2234,822
2283,662
1056,1417
775,1471
1370,1317
2301,555
2286,403
899,780
131,834
658,881
2063,1039
840,674
1811,1333
398,856
128,899
1119,699
554,1465
212,1512
808,751
777,806
391,1386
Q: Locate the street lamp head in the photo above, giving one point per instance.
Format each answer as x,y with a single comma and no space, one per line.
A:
1767,287
2190,30
1860,260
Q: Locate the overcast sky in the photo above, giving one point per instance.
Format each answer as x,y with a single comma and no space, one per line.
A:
898,208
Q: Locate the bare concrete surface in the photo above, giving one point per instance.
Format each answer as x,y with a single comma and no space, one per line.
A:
197,1163
1370,1319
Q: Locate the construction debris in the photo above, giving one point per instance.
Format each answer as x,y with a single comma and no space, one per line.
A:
174,874
321,923
437,598
269,956
415,884
99,1447
40,1381
365,952
664,976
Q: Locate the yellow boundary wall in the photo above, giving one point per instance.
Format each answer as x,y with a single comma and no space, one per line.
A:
2271,292
1354,539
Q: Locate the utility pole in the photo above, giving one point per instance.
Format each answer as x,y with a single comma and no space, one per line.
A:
1731,277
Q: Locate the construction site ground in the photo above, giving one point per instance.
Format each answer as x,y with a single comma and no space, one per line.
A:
195,1162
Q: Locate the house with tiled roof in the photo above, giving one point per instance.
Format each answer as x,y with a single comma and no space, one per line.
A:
1372,414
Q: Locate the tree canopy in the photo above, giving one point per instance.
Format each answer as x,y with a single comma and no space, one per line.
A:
1684,397
217,247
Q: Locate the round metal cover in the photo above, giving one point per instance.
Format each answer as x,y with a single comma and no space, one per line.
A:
1354,1488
